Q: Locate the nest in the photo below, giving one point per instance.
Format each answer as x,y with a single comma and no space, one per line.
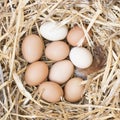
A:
19,18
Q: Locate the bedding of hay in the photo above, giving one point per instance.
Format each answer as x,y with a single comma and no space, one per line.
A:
19,18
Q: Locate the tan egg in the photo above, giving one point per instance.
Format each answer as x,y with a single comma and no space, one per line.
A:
57,50
50,91
61,71
32,48
36,73
74,36
74,90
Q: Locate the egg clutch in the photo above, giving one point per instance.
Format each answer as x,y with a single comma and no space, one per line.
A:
56,81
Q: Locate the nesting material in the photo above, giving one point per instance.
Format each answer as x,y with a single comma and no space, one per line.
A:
19,18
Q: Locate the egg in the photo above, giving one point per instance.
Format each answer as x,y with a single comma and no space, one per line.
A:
75,35
61,71
74,90
32,48
57,50
52,32
36,73
50,91
81,57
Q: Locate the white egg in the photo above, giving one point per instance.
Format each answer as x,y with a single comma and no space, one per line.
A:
52,32
81,57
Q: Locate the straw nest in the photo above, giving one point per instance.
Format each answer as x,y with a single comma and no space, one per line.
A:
19,18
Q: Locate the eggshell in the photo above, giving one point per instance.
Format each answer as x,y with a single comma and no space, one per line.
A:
50,91
32,48
81,57
61,71
75,35
52,32
36,73
74,90
57,50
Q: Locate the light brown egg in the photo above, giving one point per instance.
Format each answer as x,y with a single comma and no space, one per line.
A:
74,90
36,73
57,50
74,35
50,91
32,48
61,71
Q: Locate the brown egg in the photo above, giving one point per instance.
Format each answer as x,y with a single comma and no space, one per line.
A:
74,35
50,91
57,50
74,90
32,48
61,71
36,73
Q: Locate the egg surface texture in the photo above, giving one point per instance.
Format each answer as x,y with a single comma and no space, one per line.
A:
50,91
36,73
81,57
57,50
61,71
74,90
32,48
75,35
52,31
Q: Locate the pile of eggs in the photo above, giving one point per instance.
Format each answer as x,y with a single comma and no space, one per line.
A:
57,80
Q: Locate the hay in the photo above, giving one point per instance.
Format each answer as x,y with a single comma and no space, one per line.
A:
19,18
